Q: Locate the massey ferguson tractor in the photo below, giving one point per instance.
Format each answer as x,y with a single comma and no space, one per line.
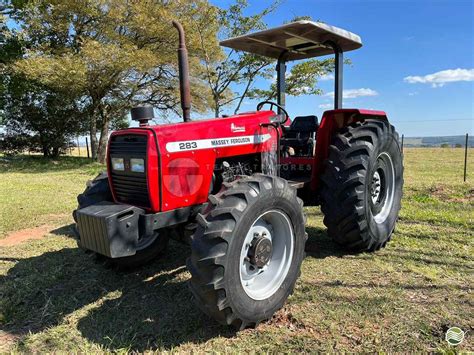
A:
234,186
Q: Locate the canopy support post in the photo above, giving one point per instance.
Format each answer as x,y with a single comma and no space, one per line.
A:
281,80
338,66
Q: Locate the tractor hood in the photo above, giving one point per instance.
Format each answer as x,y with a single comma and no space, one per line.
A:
164,167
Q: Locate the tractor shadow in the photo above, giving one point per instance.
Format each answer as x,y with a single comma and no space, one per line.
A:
150,308
65,231
319,245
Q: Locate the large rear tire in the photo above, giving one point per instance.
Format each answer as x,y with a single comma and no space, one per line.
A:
362,185
148,248
247,250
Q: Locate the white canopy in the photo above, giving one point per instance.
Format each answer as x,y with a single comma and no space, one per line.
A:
301,39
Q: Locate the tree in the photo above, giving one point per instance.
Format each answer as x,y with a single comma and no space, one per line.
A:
10,49
223,73
34,116
301,80
233,67
47,117
111,55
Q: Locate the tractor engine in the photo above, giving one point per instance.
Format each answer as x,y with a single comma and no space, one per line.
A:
229,169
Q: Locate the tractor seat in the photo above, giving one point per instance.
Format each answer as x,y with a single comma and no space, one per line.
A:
301,131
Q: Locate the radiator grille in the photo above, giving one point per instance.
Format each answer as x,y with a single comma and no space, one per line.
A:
130,187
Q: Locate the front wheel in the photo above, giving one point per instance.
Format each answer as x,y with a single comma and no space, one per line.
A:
148,247
247,250
362,185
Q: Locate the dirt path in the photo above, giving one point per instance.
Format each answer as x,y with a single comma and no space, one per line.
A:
20,236
6,341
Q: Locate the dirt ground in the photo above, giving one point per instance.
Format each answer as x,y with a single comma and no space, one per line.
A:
23,235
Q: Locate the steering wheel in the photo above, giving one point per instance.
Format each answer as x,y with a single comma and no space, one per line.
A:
271,103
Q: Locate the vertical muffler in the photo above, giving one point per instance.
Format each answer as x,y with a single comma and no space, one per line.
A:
183,65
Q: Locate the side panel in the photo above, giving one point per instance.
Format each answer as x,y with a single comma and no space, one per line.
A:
331,122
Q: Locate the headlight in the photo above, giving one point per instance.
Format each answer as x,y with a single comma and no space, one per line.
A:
137,165
117,164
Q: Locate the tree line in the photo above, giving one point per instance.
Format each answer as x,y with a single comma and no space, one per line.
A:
72,68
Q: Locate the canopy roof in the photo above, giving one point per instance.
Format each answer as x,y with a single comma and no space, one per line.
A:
301,39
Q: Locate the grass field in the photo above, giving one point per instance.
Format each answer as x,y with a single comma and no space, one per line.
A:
53,297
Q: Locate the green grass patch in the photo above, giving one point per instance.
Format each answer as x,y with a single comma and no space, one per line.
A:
35,191
54,297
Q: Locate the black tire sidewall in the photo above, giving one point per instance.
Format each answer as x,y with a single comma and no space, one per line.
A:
255,310
145,255
97,190
387,143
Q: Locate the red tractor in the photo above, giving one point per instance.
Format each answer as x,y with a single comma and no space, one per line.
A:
233,186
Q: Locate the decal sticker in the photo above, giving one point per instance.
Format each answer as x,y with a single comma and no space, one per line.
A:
235,128
215,143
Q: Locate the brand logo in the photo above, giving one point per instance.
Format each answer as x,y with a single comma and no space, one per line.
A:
183,177
235,128
454,336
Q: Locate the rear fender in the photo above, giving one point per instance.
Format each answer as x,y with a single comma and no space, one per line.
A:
332,122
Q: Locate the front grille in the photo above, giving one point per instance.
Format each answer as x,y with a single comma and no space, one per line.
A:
129,187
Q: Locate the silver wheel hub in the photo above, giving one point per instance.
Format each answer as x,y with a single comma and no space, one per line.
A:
376,186
266,255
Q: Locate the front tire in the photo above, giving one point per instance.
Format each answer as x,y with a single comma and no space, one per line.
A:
247,250
362,185
148,247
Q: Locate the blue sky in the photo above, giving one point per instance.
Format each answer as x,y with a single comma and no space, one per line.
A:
401,39
412,49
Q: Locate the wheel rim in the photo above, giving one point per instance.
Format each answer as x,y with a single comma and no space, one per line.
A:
266,254
382,188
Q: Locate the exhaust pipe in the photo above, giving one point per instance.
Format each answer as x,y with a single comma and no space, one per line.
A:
183,73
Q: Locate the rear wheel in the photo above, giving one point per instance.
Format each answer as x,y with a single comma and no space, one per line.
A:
362,185
148,247
247,250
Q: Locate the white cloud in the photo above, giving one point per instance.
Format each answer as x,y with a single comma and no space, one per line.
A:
442,77
353,93
305,90
326,77
413,93
325,106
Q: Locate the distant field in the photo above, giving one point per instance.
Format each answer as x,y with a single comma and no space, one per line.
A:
53,297
451,141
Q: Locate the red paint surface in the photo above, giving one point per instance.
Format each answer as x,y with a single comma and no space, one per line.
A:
183,178
297,160
186,175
